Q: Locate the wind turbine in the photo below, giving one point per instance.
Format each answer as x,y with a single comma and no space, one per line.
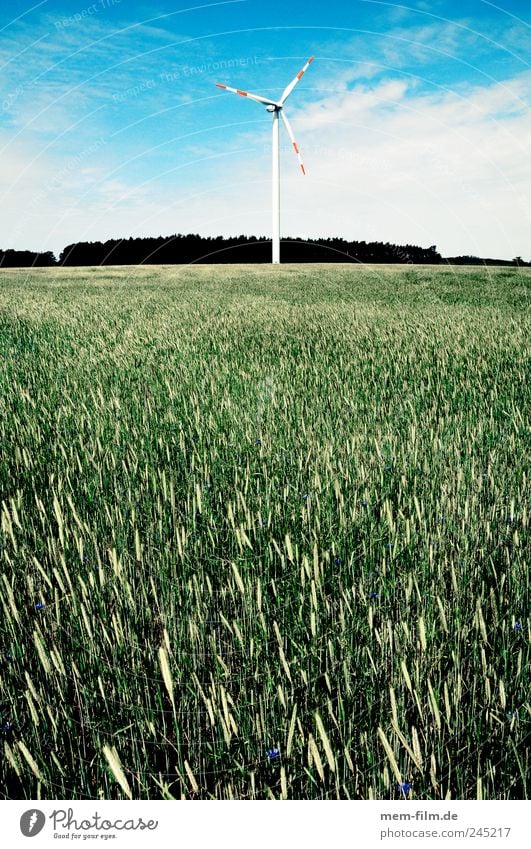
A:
276,107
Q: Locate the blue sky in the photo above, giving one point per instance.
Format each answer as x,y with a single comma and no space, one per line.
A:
413,121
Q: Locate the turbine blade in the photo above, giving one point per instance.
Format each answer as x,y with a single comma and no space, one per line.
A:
255,97
292,137
287,91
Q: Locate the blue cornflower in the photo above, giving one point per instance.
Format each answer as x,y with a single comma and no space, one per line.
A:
273,754
389,545
337,561
305,496
511,714
258,442
387,468
264,523
509,518
517,626
364,504
40,606
373,595
7,727
405,787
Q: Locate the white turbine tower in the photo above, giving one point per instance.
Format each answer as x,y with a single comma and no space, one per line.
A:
277,108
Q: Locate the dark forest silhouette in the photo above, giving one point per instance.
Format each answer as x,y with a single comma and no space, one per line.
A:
192,248
180,249
24,259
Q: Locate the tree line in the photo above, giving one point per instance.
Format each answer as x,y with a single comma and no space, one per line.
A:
24,259
193,248
182,249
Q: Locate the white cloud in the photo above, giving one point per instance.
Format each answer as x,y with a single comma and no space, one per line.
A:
387,163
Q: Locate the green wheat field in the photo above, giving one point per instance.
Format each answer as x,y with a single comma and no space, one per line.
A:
264,533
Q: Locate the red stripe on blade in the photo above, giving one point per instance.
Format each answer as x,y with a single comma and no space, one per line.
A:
299,75
303,171
296,148
220,85
241,92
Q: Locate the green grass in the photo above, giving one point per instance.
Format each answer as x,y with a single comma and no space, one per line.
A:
264,508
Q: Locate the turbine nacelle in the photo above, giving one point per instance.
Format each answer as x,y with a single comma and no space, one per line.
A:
271,108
